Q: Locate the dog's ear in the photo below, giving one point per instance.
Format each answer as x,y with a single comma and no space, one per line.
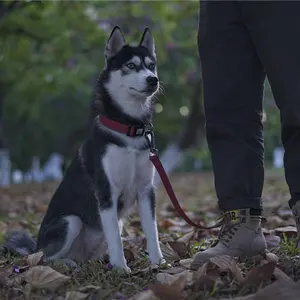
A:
115,42
147,41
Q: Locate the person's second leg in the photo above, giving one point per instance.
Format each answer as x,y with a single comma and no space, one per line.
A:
233,80
275,28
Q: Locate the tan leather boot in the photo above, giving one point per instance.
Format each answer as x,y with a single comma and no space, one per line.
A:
296,213
240,236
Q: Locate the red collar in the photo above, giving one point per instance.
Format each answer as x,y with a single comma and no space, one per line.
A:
125,129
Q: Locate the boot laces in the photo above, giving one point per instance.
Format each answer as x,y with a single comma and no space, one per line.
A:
228,228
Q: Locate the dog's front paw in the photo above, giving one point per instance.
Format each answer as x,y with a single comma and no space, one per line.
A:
157,259
66,262
121,269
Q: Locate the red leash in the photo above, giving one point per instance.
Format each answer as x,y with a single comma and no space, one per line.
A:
133,131
166,182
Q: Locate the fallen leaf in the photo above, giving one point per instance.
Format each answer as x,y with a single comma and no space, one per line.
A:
279,290
257,275
176,280
289,231
168,252
186,263
204,282
129,255
179,283
165,278
146,295
35,258
45,277
271,257
165,292
175,270
248,297
73,295
187,237
280,275
202,270
88,288
4,273
180,248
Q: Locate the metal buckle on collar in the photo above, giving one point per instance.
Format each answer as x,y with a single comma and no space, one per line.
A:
140,131
136,131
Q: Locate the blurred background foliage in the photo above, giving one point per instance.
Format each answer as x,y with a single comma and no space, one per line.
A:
51,52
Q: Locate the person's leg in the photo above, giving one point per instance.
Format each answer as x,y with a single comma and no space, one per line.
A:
233,79
275,30
233,89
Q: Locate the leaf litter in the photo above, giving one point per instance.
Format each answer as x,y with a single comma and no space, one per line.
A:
272,275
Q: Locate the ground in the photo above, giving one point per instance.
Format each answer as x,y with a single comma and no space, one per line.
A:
23,206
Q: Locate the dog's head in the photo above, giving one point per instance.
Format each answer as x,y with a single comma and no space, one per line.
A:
131,72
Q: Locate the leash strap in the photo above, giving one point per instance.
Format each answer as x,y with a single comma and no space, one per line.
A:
166,182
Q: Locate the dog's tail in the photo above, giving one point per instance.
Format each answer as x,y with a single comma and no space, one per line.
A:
21,243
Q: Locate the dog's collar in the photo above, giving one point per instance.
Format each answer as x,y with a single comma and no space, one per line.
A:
131,131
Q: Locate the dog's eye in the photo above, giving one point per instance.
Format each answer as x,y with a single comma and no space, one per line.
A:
151,67
130,66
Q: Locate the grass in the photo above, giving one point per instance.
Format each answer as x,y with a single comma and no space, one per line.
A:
24,206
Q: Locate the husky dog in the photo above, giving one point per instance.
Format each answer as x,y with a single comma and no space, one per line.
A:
111,169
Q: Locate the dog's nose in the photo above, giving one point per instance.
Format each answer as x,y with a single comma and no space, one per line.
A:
152,80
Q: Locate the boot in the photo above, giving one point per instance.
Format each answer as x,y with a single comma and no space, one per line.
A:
240,236
296,213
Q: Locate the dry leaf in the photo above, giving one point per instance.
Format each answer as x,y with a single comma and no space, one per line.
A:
259,274
248,297
88,288
186,263
165,292
147,295
73,295
204,282
175,270
180,248
289,231
129,255
4,274
168,253
225,263
176,279
271,257
35,258
187,237
202,270
280,275
184,278
179,283
165,278
45,277
279,290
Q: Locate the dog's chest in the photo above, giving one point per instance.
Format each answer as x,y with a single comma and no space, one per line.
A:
128,170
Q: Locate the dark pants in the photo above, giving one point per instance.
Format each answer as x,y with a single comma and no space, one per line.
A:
240,42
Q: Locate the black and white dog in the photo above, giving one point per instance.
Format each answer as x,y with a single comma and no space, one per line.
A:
112,169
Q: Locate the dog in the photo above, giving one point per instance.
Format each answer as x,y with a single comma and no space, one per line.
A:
111,170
